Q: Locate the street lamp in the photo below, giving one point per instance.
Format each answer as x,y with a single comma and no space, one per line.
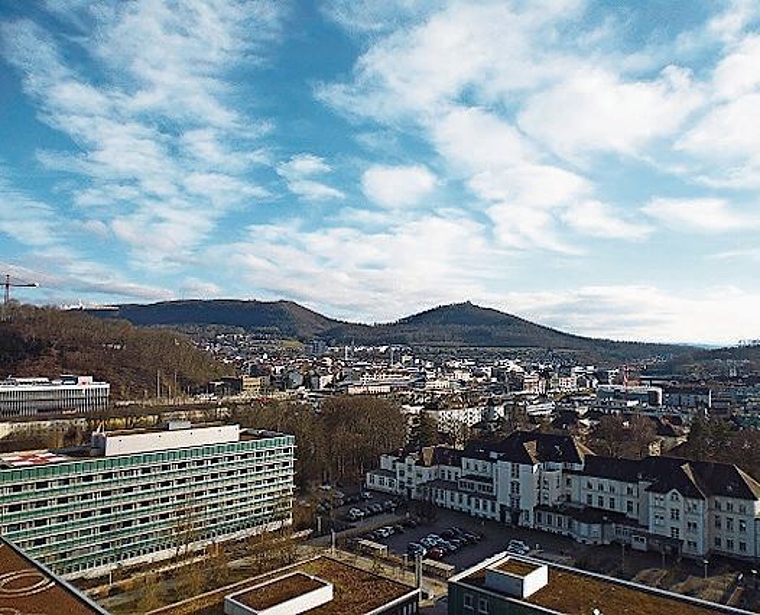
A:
705,562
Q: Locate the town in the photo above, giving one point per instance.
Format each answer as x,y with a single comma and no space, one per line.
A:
598,457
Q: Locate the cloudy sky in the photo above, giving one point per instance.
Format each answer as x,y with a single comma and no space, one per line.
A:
593,166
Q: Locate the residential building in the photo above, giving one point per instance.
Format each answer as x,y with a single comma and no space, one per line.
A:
555,484
143,495
32,396
509,585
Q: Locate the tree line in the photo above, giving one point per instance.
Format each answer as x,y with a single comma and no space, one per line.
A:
337,442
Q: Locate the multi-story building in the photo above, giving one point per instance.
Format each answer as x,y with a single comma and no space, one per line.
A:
31,396
553,483
509,585
144,495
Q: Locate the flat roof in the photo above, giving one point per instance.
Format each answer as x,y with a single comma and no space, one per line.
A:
577,592
28,587
355,590
271,593
25,459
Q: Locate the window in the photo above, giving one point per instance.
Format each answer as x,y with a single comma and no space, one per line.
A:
729,506
730,524
717,542
483,606
742,525
675,514
629,507
589,499
674,497
612,503
675,532
730,544
600,501
467,601
718,523
742,547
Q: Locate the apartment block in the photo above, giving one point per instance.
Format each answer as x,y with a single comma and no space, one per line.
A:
32,396
554,483
144,495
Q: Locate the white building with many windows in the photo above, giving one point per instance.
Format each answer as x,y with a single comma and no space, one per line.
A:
553,483
143,495
32,396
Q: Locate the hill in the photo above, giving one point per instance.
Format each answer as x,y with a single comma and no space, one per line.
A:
451,326
48,342
283,319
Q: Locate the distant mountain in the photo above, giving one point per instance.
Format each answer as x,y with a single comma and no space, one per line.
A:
451,326
283,318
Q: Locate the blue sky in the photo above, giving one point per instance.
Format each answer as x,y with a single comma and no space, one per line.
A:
593,166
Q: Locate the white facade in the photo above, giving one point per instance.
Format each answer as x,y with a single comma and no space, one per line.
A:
31,396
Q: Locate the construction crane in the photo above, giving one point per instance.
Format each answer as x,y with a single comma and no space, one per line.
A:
8,284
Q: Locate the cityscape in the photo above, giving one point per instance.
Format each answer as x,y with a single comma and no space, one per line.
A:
356,307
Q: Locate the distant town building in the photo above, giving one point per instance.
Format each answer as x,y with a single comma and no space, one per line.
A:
142,495
32,396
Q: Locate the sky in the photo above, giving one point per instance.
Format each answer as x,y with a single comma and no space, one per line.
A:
590,166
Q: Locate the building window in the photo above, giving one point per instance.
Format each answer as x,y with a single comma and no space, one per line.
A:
612,503
675,532
483,606
600,501
730,524
718,523
729,544
742,547
589,499
467,601
674,497
742,525
717,542
675,514
629,507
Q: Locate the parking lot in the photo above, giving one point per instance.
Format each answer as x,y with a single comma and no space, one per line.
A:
494,537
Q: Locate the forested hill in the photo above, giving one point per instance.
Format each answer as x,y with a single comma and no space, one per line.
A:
451,326
48,342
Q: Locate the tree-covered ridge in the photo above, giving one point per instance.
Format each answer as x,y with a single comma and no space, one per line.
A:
48,342
452,326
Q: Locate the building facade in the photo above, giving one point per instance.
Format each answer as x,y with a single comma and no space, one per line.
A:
32,396
144,495
555,484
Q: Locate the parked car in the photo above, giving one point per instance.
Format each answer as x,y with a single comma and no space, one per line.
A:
436,553
518,547
414,549
385,531
355,514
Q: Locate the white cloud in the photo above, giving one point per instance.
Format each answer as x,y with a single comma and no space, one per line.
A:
599,220
595,110
298,173
397,186
703,215
154,129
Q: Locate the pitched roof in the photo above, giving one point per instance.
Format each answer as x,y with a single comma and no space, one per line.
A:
697,479
531,447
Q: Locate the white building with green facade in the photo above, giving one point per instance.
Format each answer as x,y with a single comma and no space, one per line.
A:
144,495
